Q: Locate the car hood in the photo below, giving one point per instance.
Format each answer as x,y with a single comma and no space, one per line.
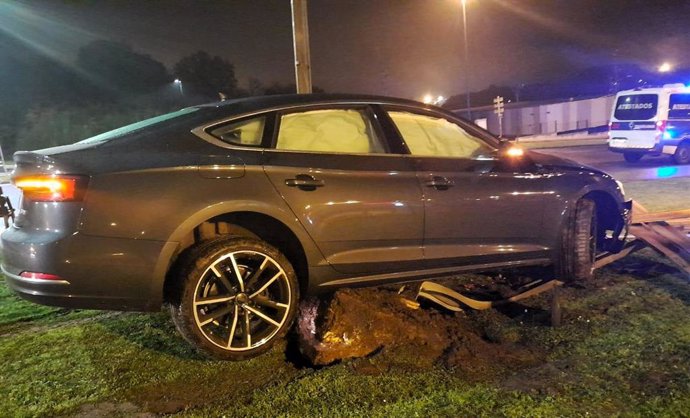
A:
561,164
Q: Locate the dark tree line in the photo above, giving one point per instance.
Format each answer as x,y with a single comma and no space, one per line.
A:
46,102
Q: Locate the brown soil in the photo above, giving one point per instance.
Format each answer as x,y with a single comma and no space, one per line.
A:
379,324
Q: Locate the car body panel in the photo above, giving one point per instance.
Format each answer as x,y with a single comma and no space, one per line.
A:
367,217
468,219
149,191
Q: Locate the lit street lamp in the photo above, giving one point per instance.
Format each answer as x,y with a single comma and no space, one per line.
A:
436,101
178,83
665,67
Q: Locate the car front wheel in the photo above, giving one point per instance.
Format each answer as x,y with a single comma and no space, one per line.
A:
579,243
632,157
682,154
233,298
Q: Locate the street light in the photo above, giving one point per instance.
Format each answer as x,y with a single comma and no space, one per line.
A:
436,101
178,82
467,64
665,67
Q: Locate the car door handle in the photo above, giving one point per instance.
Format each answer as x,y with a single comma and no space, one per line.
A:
439,183
304,182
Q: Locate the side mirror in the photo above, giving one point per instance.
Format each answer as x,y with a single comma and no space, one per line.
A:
508,148
512,157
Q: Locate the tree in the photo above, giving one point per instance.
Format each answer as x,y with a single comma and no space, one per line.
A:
115,67
205,75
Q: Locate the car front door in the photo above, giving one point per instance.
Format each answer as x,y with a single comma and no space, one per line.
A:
361,204
476,210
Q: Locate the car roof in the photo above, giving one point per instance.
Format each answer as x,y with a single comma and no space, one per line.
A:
253,104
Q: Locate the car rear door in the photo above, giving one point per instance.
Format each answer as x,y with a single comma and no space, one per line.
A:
476,210
360,203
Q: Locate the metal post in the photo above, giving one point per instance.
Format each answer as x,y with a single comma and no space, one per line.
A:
2,157
300,38
467,64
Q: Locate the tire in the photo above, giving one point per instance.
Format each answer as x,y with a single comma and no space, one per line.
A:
682,154
632,157
579,243
233,298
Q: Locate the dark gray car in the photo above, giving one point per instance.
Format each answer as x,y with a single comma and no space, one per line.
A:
228,212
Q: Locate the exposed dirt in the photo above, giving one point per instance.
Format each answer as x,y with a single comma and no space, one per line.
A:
360,323
111,410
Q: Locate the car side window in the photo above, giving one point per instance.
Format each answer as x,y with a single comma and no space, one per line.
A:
329,130
431,136
248,132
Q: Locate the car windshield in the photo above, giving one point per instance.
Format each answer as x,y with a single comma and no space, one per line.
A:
636,107
115,133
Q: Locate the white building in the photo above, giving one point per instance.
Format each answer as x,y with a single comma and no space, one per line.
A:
535,118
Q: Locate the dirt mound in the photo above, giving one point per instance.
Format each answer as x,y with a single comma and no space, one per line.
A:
364,322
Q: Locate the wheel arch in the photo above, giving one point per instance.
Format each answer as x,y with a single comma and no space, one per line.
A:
608,215
276,227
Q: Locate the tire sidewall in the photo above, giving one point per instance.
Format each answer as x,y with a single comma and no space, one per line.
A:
632,157
682,154
576,261
198,260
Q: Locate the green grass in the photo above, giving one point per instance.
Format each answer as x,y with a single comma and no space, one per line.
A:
661,195
623,350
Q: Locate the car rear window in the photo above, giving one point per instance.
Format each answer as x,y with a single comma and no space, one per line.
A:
128,129
636,107
329,130
679,106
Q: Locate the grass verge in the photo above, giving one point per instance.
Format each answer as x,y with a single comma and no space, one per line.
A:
624,349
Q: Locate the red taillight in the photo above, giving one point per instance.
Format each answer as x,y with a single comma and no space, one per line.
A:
51,188
661,125
39,276
614,126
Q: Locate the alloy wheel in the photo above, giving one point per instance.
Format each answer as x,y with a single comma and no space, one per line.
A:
241,300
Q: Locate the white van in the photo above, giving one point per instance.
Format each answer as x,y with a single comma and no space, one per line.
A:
652,121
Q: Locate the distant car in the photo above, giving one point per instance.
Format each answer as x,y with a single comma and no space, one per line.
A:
229,212
652,121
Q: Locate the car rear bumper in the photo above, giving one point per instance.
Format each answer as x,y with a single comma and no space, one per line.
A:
94,272
656,149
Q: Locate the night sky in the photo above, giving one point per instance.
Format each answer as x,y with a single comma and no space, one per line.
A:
393,47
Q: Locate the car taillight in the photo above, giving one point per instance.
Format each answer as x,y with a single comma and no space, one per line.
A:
39,276
52,188
614,126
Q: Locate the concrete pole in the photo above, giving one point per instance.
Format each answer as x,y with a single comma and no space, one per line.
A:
300,38
467,56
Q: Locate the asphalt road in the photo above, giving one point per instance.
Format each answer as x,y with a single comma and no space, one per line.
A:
598,156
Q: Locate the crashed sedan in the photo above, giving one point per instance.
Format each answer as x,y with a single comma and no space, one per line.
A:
231,212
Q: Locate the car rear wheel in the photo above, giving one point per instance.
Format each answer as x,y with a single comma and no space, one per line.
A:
682,154
233,298
632,157
579,243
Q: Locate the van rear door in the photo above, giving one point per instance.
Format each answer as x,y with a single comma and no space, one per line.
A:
678,126
633,124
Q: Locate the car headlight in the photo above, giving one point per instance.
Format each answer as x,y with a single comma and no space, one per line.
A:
620,186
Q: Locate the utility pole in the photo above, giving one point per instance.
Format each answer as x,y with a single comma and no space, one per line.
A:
498,110
300,38
467,64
